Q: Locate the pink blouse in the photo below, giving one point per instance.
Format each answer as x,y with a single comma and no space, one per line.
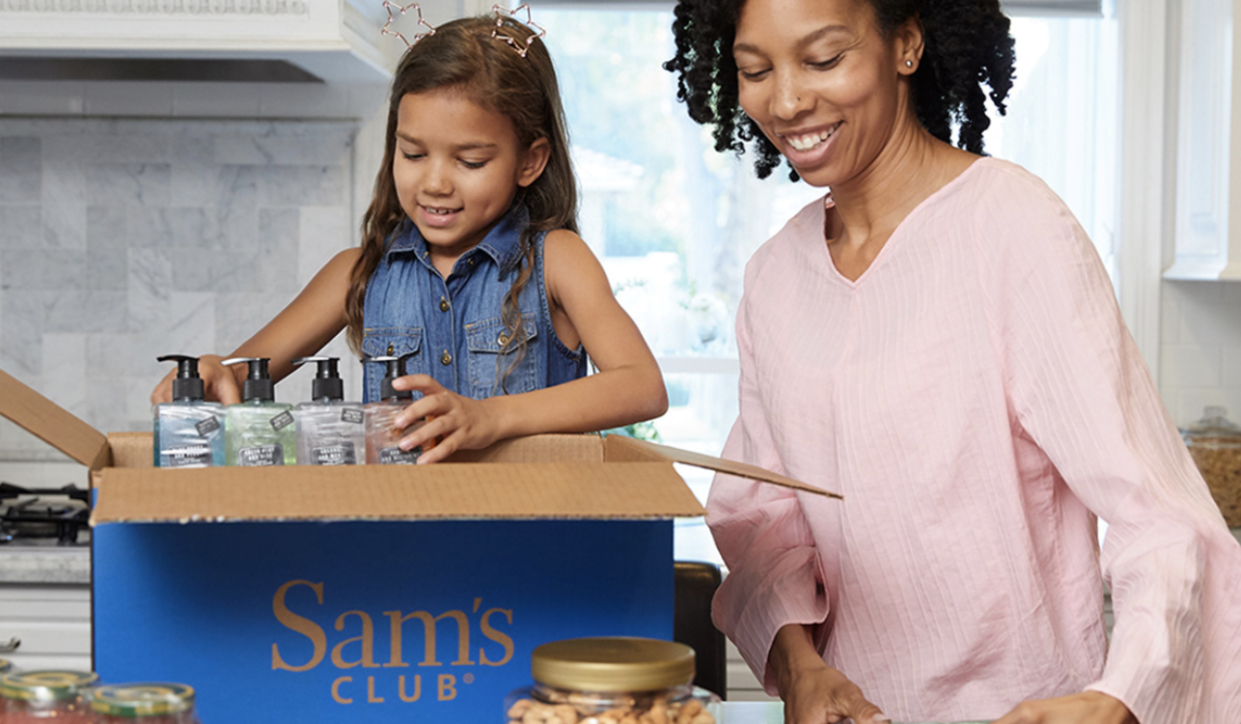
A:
977,399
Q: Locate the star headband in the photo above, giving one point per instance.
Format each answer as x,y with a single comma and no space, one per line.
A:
401,10
520,45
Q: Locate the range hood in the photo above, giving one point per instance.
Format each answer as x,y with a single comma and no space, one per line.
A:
333,41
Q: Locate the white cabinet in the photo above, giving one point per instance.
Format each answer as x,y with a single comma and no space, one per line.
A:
52,622
334,40
1208,170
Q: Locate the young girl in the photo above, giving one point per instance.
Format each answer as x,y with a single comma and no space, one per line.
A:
470,263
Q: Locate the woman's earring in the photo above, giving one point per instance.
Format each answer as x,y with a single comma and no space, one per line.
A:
909,64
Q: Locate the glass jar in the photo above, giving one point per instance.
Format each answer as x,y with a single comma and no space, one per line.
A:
5,666
612,680
33,696
1215,444
153,703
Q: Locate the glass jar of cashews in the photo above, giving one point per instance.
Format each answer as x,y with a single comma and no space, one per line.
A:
612,680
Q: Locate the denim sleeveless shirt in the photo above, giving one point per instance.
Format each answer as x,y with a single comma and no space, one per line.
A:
453,326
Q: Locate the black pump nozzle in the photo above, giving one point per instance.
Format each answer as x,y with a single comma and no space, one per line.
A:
327,384
394,368
187,385
258,384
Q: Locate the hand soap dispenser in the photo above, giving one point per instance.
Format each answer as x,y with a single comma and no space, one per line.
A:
258,430
382,441
189,432
330,431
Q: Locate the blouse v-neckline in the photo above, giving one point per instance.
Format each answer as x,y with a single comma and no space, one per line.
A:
894,237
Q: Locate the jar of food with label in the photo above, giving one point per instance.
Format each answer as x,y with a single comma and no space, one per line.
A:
1215,444
34,696
612,680
144,703
5,666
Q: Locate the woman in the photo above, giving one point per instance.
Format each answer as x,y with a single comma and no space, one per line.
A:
938,341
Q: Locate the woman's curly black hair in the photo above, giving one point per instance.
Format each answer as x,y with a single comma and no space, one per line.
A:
966,46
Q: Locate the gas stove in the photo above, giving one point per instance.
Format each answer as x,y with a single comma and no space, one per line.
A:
44,516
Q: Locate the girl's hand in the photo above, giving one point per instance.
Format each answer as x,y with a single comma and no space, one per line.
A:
459,423
219,382
823,695
1088,707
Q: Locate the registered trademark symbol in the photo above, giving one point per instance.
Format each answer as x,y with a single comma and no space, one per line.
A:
468,678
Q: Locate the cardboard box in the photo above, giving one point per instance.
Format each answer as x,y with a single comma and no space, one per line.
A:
370,594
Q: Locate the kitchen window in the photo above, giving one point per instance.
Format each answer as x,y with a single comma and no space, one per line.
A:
674,222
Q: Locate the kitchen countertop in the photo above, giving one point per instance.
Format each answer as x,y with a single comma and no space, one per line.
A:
71,565
54,564
44,564
756,712
752,712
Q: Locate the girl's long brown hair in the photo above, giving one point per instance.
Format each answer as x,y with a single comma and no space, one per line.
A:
463,55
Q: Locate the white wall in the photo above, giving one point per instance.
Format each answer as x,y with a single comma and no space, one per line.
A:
1200,349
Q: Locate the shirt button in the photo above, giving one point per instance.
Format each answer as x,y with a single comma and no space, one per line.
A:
443,304
389,350
503,340
445,359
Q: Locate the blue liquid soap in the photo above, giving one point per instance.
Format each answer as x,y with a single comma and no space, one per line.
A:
330,431
189,432
259,431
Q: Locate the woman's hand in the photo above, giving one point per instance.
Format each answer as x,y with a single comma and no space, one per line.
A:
1088,707
813,692
823,695
219,382
458,423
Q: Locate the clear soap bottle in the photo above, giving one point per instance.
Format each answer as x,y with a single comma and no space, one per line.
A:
189,432
330,431
258,430
382,439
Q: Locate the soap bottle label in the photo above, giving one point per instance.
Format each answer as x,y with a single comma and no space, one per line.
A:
261,456
190,456
352,415
342,454
208,426
396,456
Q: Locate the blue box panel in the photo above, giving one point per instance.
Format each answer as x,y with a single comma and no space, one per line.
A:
427,621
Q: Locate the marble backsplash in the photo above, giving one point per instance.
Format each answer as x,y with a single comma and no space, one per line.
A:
124,239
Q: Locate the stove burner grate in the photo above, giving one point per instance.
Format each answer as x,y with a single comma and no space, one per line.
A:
43,514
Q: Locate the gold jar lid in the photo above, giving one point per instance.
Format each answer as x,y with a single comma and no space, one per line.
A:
613,664
144,699
45,685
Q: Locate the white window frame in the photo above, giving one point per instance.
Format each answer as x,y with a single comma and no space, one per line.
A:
1145,150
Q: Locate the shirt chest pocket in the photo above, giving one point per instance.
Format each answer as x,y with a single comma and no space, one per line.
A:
391,342
498,365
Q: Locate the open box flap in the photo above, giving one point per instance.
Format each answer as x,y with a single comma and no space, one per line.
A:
576,490
51,423
625,447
